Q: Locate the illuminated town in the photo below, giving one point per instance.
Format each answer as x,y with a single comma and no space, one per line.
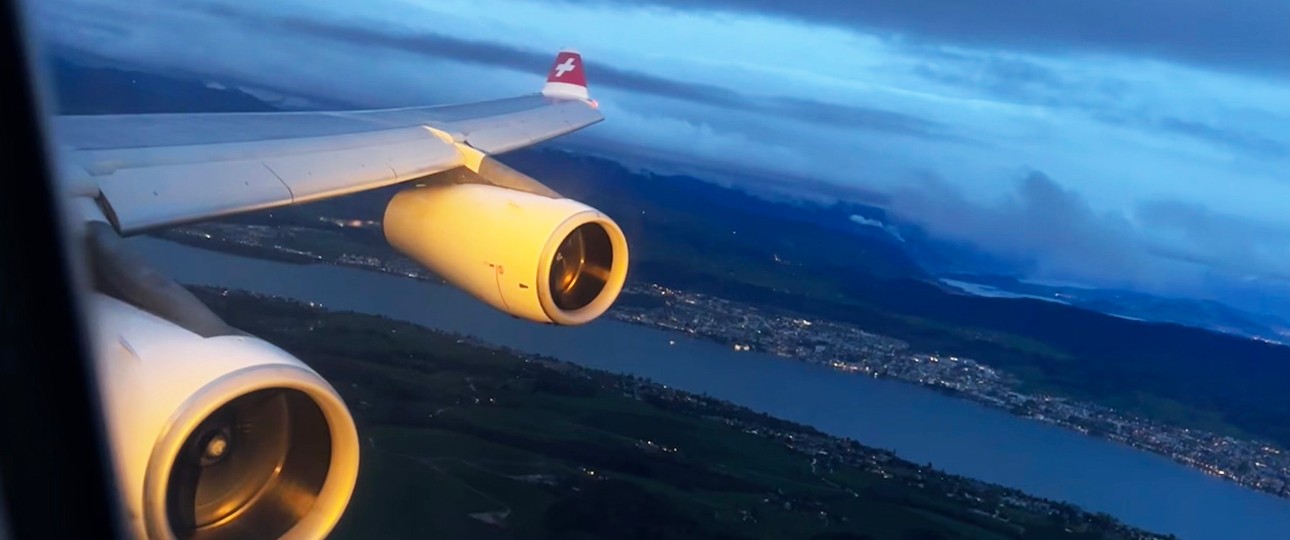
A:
847,348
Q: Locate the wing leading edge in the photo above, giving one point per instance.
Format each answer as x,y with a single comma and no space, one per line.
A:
156,170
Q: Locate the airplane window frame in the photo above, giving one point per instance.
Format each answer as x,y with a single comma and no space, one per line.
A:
55,481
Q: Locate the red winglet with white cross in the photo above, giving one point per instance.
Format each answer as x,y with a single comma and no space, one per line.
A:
567,78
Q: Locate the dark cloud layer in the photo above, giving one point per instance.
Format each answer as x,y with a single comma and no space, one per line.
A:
1040,225
1055,233
1022,81
1194,233
1245,142
1247,35
529,61
1017,80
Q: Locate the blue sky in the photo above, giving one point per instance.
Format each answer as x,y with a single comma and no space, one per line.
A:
1142,144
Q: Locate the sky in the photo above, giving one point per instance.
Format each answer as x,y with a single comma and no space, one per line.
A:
1103,142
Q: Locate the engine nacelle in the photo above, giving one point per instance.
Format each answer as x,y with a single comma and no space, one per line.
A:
545,259
218,437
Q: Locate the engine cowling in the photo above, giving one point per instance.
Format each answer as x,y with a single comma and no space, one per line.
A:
218,437
550,260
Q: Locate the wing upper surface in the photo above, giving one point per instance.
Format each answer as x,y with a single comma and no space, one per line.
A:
161,169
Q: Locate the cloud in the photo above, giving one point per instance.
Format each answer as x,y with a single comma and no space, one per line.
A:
1100,97
1193,233
1239,34
1050,231
1040,224
1235,140
1054,233
531,61
861,220
867,222
1016,79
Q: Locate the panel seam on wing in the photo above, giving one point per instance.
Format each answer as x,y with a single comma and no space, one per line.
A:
280,180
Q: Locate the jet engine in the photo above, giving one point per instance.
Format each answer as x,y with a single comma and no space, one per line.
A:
220,435
543,258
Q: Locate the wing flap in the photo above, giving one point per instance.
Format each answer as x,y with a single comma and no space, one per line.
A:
159,186
150,197
320,175
100,162
503,134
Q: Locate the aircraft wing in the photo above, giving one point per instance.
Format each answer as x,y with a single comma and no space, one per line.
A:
155,170
217,433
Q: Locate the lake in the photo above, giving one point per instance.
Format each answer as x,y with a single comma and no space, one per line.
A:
920,425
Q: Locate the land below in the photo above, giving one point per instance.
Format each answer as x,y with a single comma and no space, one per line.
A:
465,440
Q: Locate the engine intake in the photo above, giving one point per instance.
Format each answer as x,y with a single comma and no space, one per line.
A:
551,260
582,266
252,468
219,437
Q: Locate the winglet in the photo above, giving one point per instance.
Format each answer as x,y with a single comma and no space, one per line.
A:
567,78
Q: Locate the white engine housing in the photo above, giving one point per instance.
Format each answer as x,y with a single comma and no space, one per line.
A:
161,382
513,250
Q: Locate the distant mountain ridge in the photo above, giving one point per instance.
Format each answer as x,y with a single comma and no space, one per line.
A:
82,85
1206,314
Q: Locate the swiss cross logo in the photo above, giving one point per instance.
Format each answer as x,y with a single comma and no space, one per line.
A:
567,69
562,67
